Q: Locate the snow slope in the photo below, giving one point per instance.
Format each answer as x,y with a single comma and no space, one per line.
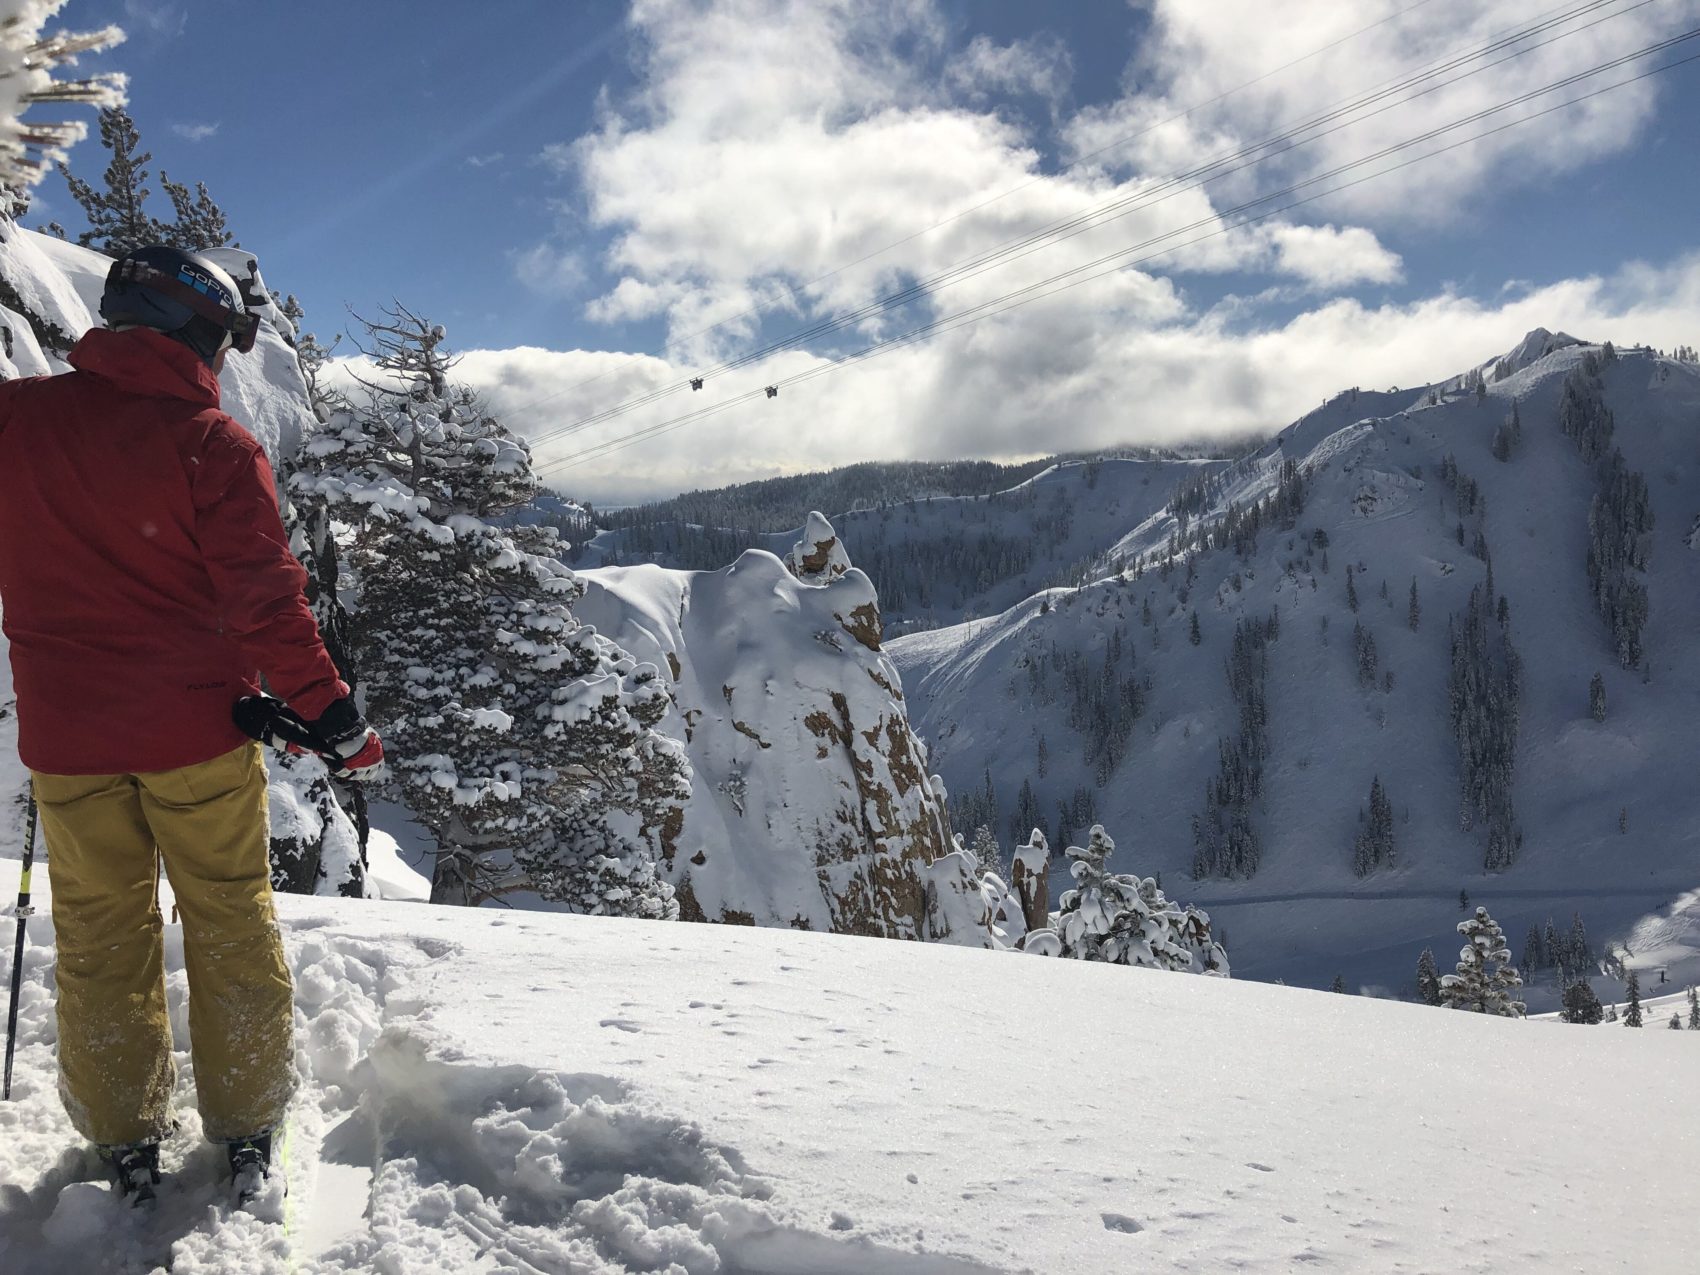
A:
1374,490
481,1095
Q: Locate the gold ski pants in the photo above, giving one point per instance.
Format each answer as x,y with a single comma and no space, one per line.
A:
106,838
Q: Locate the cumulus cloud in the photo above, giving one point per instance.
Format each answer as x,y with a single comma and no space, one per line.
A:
195,132
1333,258
1204,89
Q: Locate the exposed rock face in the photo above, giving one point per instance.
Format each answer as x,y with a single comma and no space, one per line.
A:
812,805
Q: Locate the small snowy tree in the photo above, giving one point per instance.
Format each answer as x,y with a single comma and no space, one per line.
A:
1486,979
1632,1016
1597,698
1124,920
117,215
986,853
1428,979
1580,1004
1693,1010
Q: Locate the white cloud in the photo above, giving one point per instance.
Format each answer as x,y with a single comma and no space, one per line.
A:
1049,379
158,18
1199,50
1332,258
1038,66
195,132
484,161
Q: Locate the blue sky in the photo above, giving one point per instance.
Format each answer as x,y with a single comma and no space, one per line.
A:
585,180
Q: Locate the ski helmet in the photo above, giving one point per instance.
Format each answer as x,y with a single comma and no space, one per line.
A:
181,294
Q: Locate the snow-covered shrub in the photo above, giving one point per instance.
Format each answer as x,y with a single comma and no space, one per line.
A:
1486,979
522,739
1127,920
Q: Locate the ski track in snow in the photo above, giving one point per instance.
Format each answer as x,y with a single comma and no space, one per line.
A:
397,1162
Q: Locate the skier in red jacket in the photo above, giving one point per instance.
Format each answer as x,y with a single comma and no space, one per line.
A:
146,583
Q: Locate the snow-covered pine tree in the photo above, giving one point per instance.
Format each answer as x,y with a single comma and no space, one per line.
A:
986,853
1373,847
1632,1016
1486,980
1122,920
1581,1005
117,215
1597,698
1428,978
523,741
1338,985
1534,955
1484,688
1693,1010
200,222
1414,612
29,61
1675,1023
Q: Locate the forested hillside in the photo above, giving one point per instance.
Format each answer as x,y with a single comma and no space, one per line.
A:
1414,650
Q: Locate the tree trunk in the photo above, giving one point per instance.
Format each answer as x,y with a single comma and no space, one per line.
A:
451,877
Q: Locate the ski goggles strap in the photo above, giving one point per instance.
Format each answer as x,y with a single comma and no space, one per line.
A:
244,327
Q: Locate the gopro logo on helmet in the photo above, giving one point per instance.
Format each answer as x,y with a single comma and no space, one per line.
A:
205,284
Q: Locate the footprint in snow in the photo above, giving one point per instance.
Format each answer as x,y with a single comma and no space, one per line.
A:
622,1024
1121,1223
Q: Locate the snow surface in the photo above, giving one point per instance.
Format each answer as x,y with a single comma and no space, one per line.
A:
536,1092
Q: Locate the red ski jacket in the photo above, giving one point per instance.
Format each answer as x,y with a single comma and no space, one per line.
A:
145,577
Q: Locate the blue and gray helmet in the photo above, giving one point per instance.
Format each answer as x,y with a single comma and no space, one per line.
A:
182,295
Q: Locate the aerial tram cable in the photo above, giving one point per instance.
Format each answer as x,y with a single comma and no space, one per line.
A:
1034,292
1338,116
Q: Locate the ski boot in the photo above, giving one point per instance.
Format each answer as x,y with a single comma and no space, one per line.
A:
250,1165
134,1169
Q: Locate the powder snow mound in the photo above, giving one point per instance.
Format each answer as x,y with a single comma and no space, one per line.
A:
811,801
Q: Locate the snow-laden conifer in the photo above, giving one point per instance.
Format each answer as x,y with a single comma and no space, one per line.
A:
524,741
1486,980
1581,1005
1126,920
1428,978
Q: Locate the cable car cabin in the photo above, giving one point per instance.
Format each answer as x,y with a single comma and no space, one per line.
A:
696,382
773,391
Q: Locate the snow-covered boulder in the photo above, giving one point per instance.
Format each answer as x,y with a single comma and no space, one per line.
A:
812,805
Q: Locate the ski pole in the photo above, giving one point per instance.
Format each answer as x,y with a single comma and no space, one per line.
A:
25,911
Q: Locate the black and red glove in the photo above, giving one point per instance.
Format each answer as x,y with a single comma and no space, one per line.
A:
345,732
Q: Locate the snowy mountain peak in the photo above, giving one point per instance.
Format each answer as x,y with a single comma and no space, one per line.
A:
1533,348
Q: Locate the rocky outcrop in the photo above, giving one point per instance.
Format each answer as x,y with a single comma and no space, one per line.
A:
812,805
